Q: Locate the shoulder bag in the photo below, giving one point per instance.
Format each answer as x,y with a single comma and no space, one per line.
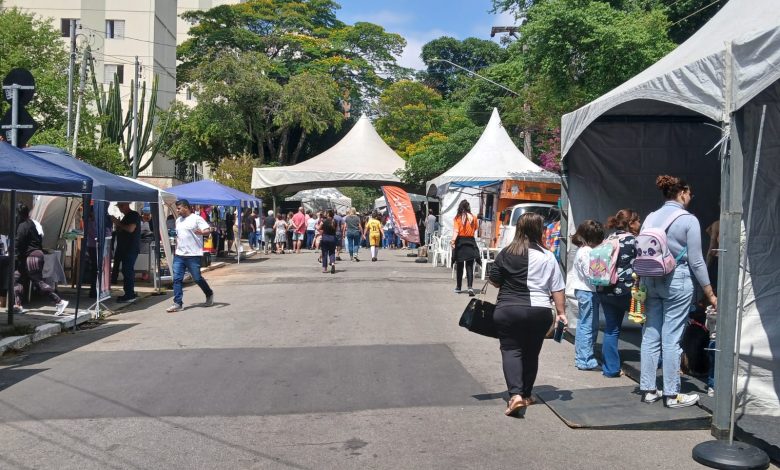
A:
478,316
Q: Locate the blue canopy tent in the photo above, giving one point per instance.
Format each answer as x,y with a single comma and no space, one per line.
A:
209,192
106,187
22,172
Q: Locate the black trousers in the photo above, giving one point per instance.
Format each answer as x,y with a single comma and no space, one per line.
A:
469,273
521,332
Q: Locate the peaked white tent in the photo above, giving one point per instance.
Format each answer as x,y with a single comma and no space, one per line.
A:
322,199
665,120
360,158
493,159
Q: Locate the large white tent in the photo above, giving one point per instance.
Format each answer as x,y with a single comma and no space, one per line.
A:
493,159
322,199
360,158
665,120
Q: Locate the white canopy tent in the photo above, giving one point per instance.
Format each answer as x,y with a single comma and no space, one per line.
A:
322,199
665,120
493,159
360,158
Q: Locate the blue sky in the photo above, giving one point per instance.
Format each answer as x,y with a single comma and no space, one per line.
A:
420,21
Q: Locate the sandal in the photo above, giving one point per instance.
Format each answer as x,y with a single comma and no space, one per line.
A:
515,404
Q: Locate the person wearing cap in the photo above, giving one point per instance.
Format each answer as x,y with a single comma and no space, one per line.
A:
128,245
190,229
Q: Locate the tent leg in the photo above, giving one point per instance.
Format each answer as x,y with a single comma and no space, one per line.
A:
86,208
564,208
10,299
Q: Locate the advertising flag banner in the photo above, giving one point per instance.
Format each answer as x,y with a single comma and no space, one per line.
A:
402,212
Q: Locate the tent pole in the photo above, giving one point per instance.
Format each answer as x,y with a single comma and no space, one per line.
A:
564,207
238,238
10,299
86,209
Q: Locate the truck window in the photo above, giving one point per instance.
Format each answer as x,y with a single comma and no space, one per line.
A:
548,213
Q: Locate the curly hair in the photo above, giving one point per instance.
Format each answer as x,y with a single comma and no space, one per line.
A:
589,232
671,186
623,219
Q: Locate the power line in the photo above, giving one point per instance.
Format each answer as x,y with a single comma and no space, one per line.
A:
697,11
128,37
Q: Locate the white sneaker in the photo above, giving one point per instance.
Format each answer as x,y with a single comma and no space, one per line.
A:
61,306
652,397
681,400
710,392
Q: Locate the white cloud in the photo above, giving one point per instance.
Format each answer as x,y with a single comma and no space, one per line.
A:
414,44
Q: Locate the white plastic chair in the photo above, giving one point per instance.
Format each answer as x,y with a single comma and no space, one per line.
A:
484,254
439,253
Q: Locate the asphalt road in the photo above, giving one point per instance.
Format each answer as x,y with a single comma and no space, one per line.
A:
293,368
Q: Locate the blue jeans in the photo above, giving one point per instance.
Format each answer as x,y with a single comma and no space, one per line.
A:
668,301
388,240
615,309
191,264
252,239
587,329
711,372
128,273
353,243
328,248
309,239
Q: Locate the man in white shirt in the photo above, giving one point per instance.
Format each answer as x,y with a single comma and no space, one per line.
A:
190,229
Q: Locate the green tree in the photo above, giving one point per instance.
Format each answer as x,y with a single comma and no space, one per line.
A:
236,172
407,111
362,197
471,53
436,153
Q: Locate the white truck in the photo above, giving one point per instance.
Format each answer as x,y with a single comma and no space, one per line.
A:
510,215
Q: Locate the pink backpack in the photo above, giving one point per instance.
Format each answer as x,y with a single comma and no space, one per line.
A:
653,258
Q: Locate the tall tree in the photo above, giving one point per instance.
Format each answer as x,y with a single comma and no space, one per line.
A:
471,53
407,111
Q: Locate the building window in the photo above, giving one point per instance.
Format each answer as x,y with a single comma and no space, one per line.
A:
65,26
115,29
109,70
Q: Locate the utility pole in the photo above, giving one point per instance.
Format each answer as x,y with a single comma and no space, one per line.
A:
71,67
135,117
82,83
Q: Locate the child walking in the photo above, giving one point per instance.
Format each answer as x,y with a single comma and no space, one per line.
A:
589,234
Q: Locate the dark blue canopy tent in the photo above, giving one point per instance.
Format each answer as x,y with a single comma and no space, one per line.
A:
209,192
106,187
22,172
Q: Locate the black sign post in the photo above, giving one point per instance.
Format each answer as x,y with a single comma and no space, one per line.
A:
18,89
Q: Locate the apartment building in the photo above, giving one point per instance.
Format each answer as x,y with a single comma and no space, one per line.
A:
117,31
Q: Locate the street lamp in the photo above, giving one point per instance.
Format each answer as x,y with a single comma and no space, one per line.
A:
436,59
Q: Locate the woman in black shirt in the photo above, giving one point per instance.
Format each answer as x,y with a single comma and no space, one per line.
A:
328,243
527,275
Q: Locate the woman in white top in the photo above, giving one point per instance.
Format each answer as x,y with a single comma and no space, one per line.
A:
527,275
589,234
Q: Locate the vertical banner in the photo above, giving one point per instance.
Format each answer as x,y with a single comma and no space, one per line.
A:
105,273
402,211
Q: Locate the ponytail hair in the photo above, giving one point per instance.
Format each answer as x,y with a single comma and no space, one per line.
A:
623,219
671,186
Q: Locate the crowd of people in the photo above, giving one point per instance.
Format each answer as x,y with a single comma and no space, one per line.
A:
660,256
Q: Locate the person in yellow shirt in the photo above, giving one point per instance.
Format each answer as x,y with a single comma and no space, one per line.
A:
464,246
373,232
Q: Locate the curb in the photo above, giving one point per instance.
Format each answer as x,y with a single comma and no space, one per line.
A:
47,330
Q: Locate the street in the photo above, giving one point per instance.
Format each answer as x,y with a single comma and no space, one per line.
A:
292,368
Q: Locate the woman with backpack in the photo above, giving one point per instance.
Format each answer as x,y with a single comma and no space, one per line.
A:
615,299
589,235
669,250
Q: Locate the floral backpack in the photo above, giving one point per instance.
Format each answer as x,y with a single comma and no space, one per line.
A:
602,265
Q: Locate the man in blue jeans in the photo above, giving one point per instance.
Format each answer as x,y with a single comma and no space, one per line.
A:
190,229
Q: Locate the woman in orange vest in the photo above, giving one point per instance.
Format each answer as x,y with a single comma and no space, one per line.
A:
464,246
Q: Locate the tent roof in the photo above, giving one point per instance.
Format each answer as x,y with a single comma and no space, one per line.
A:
319,193
105,186
493,158
361,157
212,193
165,196
691,79
24,172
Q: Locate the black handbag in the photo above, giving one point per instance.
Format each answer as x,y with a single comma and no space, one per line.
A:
478,316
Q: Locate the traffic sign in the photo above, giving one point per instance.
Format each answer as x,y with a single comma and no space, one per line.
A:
26,82
17,126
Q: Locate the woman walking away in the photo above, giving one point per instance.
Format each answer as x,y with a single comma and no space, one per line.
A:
280,228
669,296
526,275
465,250
615,299
268,232
328,243
589,235
29,262
354,232
373,233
